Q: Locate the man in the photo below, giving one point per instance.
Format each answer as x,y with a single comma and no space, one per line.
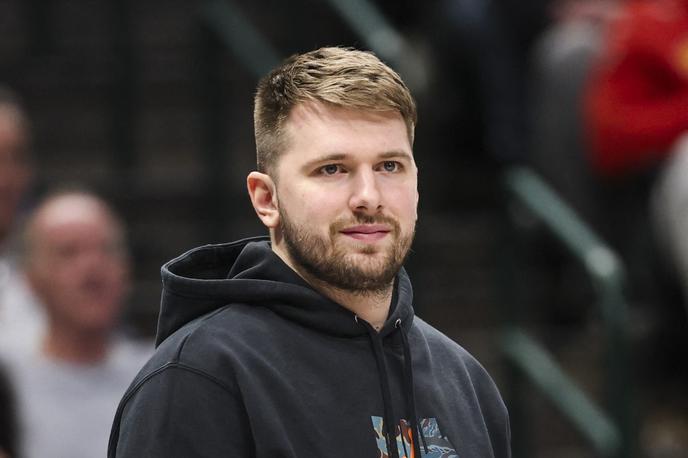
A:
637,127
15,172
305,344
68,387
21,319
637,122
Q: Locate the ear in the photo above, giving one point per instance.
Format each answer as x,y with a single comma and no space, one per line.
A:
263,193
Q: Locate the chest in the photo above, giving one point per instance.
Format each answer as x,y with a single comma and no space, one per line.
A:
326,397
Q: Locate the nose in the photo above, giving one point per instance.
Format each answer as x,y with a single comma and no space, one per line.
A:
97,257
365,193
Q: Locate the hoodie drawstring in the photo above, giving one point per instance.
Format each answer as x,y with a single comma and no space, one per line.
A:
389,424
416,429
390,427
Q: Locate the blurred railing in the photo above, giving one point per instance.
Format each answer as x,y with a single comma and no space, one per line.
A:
240,36
611,434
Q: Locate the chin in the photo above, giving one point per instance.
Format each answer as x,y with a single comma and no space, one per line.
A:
99,327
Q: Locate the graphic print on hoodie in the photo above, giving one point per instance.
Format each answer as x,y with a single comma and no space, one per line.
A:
434,445
253,362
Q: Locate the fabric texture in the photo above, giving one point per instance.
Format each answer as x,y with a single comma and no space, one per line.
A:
252,362
22,318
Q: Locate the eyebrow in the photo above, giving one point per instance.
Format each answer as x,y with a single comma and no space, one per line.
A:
341,156
395,154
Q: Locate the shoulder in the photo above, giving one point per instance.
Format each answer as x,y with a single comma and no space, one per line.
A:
209,345
452,356
436,341
453,366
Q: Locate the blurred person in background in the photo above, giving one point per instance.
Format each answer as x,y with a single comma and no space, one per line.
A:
21,319
637,118
636,107
560,64
68,387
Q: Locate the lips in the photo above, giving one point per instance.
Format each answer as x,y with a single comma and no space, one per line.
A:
367,232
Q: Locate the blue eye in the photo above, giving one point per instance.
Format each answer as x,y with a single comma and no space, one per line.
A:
390,166
329,169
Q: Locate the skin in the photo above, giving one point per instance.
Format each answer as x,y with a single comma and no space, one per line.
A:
340,167
77,266
15,172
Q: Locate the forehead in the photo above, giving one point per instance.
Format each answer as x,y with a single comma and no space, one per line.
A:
315,127
70,217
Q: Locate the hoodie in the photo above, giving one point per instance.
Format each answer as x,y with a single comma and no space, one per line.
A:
253,362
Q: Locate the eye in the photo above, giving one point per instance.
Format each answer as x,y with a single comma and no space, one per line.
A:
330,169
391,166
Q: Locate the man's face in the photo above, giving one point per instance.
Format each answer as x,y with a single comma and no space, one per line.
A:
77,265
14,169
347,196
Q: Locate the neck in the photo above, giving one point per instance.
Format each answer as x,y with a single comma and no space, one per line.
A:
371,306
78,348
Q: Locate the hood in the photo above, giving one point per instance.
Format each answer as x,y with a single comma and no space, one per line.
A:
249,272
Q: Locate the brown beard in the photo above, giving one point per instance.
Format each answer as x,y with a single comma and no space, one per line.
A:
326,262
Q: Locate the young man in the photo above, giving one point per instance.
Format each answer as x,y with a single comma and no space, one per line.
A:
305,344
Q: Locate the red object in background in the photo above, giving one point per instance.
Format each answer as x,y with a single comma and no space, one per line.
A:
636,101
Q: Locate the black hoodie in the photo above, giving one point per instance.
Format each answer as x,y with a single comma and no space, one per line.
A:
253,362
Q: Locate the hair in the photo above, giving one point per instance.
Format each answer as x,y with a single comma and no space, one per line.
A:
341,77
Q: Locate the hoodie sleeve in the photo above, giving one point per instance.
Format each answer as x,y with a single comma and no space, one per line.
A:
180,412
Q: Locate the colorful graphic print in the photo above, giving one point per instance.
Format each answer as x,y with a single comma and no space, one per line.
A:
438,445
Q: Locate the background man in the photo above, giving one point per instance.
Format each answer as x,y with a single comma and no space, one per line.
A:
305,344
68,387
21,320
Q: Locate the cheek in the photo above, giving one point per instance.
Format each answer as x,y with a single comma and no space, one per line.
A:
66,283
405,203
310,208
117,280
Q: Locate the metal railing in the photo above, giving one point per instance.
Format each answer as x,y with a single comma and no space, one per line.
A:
610,434
239,35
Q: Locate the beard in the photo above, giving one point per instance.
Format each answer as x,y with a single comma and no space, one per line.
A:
340,266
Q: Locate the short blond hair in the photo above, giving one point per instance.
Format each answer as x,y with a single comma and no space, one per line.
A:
342,77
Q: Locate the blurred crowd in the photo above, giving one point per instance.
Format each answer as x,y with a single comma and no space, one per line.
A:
608,92
593,94
63,284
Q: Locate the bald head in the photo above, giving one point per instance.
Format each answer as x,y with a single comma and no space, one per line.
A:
64,211
76,261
